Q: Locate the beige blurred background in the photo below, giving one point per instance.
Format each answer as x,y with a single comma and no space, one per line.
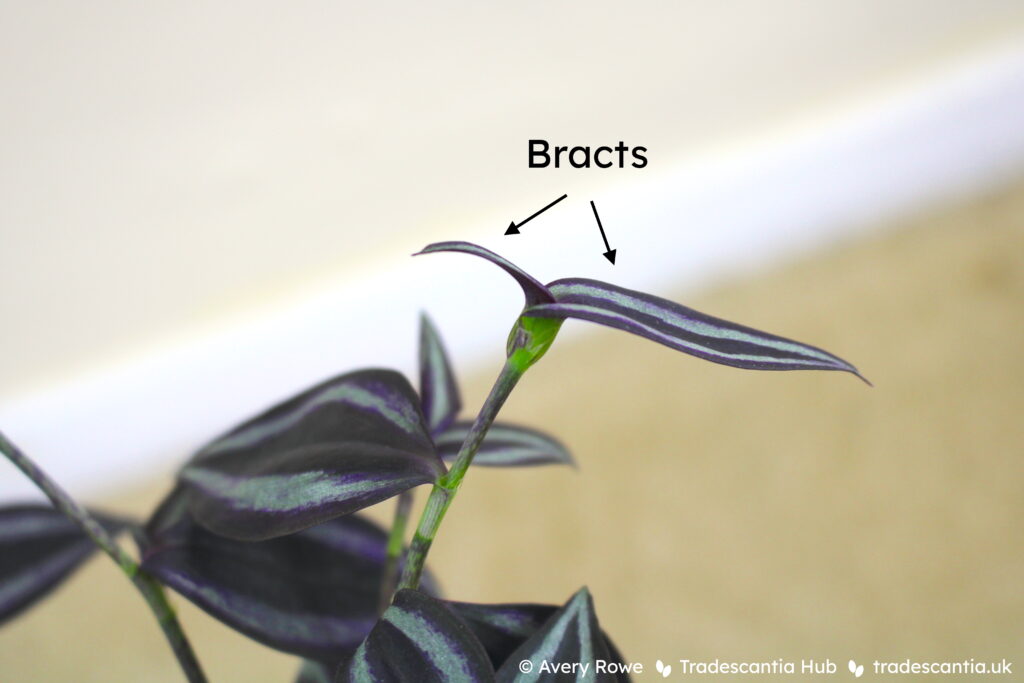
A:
170,173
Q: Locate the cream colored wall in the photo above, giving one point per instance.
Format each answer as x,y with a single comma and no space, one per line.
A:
166,165
721,513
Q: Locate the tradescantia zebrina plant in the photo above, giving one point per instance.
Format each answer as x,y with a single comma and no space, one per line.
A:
261,528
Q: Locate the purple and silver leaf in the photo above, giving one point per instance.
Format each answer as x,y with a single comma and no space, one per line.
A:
505,445
503,628
418,638
39,548
254,498
571,634
682,328
439,392
313,593
535,292
374,406
344,445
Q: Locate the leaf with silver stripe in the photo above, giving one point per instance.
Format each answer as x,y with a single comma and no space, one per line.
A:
39,548
682,328
419,638
503,628
572,634
439,392
505,445
341,446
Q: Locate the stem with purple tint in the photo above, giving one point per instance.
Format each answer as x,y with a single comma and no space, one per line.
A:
149,587
444,490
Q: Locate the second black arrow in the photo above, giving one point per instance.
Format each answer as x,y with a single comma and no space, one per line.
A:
609,252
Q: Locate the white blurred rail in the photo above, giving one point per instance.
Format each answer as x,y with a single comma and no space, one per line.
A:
956,135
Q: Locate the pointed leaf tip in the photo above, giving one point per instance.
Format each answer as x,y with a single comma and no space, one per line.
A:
571,634
535,292
682,328
418,638
503,628
439,392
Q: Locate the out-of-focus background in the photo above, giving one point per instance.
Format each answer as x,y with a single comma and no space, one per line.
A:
206,207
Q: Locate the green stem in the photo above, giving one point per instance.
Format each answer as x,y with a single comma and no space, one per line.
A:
396,543
444,490
151,590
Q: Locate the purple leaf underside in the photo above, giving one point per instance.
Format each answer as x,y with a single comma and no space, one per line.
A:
313,593
39,549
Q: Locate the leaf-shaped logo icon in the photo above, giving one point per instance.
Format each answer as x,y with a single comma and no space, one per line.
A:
663,669
855,669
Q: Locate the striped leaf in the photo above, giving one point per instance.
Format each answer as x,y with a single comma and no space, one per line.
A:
505,445
502,628
439,392
418,638
341,446
572,634
39,548
682,328
535,292
313,593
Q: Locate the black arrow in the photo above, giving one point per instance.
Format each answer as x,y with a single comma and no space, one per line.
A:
609,252
513,228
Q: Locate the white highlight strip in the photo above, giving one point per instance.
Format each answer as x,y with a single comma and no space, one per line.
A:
705,219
